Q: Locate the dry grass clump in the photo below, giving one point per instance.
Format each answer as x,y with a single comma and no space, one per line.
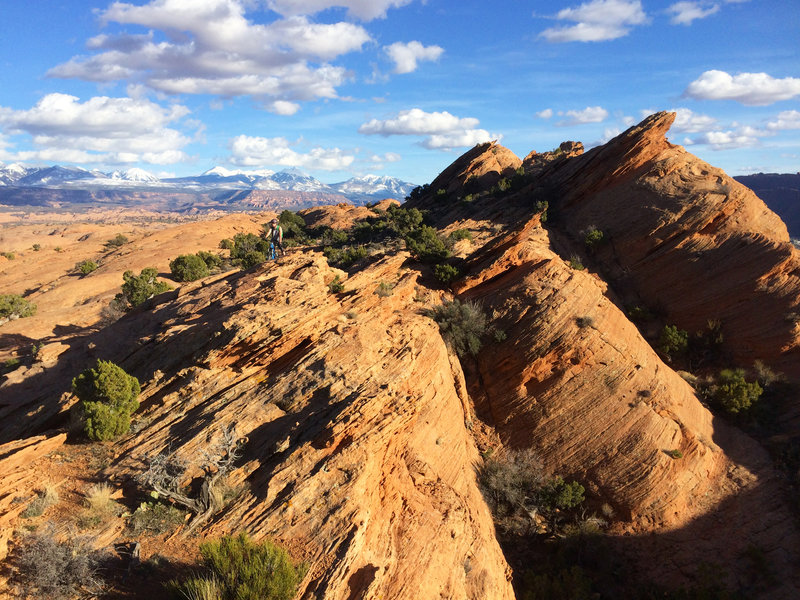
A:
100,506
46,497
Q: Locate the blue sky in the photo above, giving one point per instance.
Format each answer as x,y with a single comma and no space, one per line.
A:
398,87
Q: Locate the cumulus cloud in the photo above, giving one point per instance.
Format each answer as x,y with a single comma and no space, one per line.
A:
787,119
406,56
389,157
590,114
248,151
443,130
211,47
105,129
366,10
684,13
687,121
282,107
752,89
727,140
597,21
545,114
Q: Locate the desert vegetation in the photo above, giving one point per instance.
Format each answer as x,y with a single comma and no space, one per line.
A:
237,568
138,289
14,306
108,397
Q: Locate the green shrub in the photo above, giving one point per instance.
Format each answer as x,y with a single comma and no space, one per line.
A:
460,234
253,258
36,247
343,258
734,393
108,398
15,306
226,244
336,286
213,261
8,255
673,341
562,495
85,267
462,325
446,273
426,245
674,453
576,263
245,570
137,289
188,267
117,241
593,238
293,225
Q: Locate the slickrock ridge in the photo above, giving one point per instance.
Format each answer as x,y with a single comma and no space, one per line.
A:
536,162
368,467
686,237
358,424
478,169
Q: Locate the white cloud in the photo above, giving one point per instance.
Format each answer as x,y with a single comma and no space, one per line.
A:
105,129
727,140
418,122
283,107
752,89
597,21
365,10
406,56
787,119
459,139
545,114
250,151
684,13
442,129
212,47
687,121
389,157
590,114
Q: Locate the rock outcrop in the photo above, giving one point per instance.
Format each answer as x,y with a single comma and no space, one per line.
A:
684,237
357,423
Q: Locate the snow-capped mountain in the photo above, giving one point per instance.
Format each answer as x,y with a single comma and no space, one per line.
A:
296,180
358,190
374,186
9,174
55,176
134,175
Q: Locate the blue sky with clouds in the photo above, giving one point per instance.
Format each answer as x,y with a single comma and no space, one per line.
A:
397,87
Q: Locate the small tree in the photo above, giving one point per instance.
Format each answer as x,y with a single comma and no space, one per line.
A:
240,569
734,393
13,306
137,289
673,341
108,398
427,245
117,241
85,267
462,324
188,267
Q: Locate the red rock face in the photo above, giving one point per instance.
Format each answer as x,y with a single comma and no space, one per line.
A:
689,240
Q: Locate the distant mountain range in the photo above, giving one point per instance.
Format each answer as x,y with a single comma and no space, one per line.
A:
781,192
216,181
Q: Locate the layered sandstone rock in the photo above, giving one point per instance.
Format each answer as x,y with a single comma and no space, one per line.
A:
683,236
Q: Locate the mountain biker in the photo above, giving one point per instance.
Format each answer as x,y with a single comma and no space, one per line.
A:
276,236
